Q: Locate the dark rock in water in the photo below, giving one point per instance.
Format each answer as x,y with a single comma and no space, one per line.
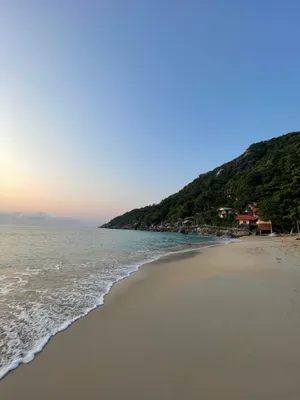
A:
182,230
188,226
143,226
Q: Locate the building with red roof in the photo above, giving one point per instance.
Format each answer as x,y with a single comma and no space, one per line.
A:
246,219
252,220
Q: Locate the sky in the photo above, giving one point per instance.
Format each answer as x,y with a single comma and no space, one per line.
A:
110,105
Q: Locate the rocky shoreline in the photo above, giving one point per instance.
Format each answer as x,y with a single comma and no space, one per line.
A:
187,226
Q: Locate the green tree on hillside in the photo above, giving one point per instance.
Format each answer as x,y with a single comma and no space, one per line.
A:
268,173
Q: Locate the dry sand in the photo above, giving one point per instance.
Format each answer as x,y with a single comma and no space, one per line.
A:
221,324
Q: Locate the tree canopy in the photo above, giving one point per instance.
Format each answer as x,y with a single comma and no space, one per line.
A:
268,173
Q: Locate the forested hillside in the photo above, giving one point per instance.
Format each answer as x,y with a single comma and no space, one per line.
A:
268,173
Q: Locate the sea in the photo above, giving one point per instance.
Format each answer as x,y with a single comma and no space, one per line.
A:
52,276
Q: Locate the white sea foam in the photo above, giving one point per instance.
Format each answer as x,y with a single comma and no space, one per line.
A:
40,344
59,293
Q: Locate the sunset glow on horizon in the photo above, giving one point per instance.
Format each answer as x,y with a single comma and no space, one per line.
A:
105,108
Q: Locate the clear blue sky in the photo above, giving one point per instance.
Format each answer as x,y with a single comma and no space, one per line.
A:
109,105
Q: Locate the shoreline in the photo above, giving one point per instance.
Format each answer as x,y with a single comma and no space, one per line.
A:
153,325
176,255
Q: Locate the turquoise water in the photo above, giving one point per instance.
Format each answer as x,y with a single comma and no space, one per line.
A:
50,276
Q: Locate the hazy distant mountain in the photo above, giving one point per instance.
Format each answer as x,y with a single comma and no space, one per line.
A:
40,215
40,219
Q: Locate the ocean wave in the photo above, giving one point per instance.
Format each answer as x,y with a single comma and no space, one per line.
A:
29,325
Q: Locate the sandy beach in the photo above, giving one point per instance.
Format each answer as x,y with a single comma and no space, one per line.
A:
220,324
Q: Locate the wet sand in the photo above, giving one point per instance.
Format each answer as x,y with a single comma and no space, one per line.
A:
221,324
